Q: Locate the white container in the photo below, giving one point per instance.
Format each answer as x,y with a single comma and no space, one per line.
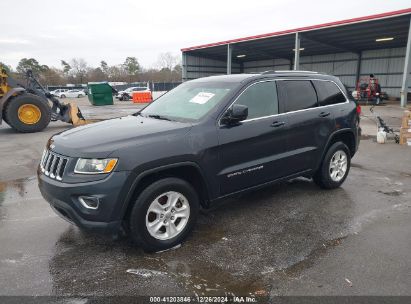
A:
381,136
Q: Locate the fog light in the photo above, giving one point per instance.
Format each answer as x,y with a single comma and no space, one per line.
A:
89,202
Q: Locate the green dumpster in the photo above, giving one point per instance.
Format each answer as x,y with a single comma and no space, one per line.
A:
100,93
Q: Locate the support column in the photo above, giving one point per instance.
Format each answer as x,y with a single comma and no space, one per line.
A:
297,51
184,67
358,72
406,75
229,58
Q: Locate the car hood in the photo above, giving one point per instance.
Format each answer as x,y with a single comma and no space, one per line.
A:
101,139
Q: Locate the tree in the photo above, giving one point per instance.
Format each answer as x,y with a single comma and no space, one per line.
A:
52,76
131,66
178,69
79,68
117,73
30,64
66,67
96,75
104,67
167,61
168,64
6,67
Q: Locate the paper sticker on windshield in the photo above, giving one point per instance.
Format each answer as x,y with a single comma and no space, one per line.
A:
202,97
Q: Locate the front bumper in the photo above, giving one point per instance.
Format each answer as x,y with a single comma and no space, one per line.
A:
111,192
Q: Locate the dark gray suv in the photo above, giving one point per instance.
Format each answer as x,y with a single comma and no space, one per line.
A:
149,173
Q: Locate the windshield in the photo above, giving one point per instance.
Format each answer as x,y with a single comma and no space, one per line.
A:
189,101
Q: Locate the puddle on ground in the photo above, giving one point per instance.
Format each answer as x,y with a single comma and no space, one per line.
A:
395,192
15,191
146,273
18,186
405,174
296,269
354,165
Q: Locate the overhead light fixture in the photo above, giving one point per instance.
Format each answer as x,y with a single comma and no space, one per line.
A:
300,49
241,56
384,39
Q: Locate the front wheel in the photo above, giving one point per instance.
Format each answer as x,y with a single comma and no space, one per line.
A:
335,167
126,97
164,214
27,113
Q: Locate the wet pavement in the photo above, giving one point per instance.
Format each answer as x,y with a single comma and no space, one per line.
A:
289,239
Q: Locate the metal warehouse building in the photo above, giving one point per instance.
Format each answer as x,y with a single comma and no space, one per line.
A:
377,44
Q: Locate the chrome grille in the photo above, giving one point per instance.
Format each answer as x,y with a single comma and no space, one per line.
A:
53,165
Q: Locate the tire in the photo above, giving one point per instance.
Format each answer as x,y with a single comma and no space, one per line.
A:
4,116
326,176
126,97
79,96
141,216
12,113
63,96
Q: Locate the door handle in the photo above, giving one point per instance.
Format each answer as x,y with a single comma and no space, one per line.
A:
277,124
324,114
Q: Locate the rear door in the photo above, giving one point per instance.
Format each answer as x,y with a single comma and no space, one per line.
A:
251,153
309,125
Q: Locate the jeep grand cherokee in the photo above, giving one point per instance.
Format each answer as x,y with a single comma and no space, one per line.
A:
208,139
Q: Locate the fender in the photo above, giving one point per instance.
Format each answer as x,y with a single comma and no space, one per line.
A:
145,173
345,130
3,100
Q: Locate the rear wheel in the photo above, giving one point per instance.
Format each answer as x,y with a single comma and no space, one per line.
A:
27,113
164,214
335,167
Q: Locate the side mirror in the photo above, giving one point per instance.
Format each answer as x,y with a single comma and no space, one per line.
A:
236,114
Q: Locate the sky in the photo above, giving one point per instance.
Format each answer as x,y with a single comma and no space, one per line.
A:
95,30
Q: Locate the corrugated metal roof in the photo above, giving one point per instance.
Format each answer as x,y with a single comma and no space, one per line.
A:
366,25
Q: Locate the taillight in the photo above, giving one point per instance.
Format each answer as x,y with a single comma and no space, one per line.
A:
358,109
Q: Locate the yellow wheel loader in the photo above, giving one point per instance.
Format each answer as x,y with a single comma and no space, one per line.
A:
30,107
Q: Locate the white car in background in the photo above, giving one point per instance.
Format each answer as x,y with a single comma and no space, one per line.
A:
58,91
71,94
127,94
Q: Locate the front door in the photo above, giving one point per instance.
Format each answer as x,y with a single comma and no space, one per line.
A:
251,152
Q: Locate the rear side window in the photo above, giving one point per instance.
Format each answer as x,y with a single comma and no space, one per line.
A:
297,94
328,93
261,99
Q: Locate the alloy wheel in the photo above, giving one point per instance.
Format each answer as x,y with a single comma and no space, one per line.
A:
167,215
338,166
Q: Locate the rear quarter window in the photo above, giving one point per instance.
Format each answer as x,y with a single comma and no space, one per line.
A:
297,94
328,93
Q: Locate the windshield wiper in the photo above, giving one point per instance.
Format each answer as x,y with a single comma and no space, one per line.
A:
155,116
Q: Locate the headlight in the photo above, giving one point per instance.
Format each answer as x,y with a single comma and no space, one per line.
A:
95,166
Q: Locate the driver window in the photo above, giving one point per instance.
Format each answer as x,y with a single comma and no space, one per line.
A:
260,98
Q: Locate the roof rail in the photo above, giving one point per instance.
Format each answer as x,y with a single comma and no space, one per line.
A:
267,72
288,71
296,71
